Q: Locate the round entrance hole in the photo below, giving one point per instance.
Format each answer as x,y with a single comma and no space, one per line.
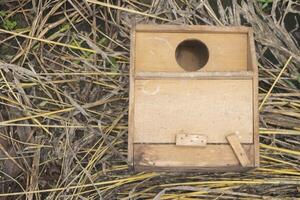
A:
191,54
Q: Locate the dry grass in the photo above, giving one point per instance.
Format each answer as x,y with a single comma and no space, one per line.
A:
64,100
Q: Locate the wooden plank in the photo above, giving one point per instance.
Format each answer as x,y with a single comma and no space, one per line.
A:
238,149
131,97
252,62
183,139
164,108
195,75
156,51
174,156
234,169
190,28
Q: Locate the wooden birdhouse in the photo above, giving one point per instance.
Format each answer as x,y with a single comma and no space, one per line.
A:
193,98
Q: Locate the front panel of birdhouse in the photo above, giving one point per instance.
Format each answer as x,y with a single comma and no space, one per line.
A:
193,98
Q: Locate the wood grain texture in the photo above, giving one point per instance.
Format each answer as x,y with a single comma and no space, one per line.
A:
190,28
252,63
195,75
165,101
131,98
197,140
172,156
156,51
238,149
176,169
215,108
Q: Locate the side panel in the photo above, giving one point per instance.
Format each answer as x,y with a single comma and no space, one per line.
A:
131,97
252,63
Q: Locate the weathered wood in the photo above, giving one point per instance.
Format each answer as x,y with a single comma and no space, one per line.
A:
235,168
184,139
226,52
131,98
190,28
238,149
169,96
215,108
194,75
252,63
167,155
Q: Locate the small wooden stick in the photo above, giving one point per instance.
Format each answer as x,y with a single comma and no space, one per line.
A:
238,149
